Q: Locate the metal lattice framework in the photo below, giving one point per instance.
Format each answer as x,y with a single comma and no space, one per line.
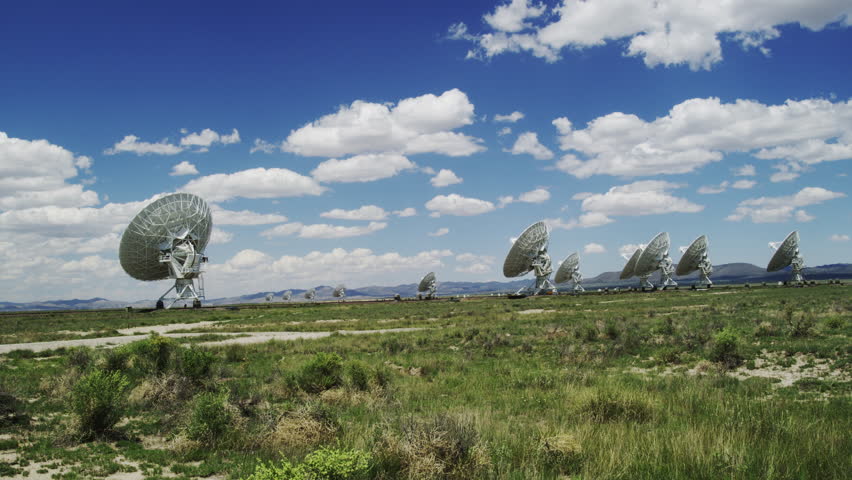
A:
569,270
694,258
167,240
787,254
529,253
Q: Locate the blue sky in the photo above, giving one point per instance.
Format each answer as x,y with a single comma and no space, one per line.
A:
634,117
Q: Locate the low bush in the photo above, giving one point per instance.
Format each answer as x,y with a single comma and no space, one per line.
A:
97,402
322,372
358,376
725,349
443,446
11,410
154,354
195,363
211,418
308,426
114,359
801,325
80,358
323,464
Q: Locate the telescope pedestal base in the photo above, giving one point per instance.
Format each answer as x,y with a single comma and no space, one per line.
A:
184,289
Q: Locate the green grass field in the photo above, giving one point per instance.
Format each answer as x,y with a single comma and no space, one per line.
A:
730,383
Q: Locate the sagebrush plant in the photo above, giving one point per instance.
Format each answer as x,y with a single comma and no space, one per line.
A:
97,401
323,464
801,325
211,418
322,372
154,354
195,363
725,348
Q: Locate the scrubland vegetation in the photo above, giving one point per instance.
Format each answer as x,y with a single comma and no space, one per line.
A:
745,383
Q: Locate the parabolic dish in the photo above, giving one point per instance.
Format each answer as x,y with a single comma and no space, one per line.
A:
692,256
160,222
563,274
287,295
785,252
310,294
338,291
425,281
627,271
519,259
650,257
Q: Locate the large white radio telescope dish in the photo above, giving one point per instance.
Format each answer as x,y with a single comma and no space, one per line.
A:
428,285
310,294
569,270
787,254
167,240
655,257
627,271
339,292
529,253
286,296
695,257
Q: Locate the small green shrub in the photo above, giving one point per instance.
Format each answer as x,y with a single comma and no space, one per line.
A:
334,464
322,372
801,325
765,329
834,323
725,349
323,464
195,363
11,410
358,376
115,359
210,419
80,358
97,401
154,354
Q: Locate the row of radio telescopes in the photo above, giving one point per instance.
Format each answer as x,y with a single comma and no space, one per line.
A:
166,240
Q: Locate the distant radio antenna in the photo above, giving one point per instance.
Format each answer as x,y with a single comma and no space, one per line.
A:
310,294
787,254
428,286
269,297
529,254
339,292
569,270
167,240
655,257
286,296
694,258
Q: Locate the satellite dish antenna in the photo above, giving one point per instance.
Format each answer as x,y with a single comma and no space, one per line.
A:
310,294
569,270
655,257
627,271
286,296
269,297
787,254
695,258
167,240
529,253
339,292
428,285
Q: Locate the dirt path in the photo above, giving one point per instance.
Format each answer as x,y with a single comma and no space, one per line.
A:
246,338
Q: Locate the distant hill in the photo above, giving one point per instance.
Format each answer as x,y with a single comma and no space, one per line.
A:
722,274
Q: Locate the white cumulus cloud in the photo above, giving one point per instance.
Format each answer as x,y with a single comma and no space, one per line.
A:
594,248
527,143
445,178
702,130
366,212
839,238
322,230
362,168
439,232
132,144
458,205
183,168
406,212
421,124
510,118
254,183
784,208
685,32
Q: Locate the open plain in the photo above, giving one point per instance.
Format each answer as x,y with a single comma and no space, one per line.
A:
728,383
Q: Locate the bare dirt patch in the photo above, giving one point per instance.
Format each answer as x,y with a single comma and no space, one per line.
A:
535,311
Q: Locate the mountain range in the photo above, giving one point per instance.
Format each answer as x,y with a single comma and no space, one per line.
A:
722,274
